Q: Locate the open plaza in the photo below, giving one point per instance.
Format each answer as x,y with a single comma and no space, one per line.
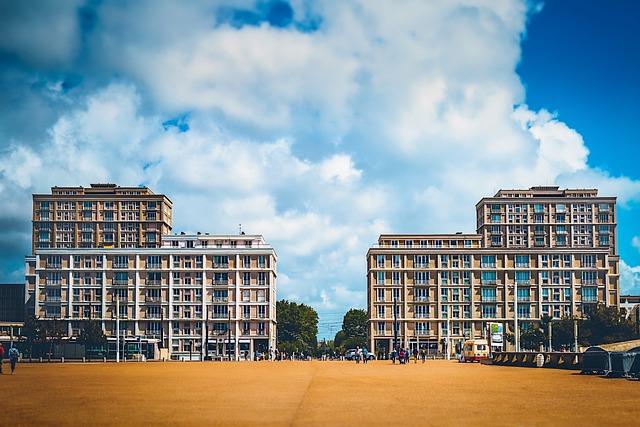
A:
312,393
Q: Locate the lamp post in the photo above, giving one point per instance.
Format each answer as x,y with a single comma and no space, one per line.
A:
117,328
515,315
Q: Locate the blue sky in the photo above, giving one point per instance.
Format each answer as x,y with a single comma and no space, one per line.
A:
318,124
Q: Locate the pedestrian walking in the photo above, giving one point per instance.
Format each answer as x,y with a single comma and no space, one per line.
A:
1,357
13,358
423,355
415,355
365,355
358,354
393,356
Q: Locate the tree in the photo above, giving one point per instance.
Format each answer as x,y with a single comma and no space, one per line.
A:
532,338
92,336
605,325
297,327
354,327
33,332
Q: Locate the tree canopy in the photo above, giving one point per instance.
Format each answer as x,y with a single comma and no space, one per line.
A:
297,327
354,330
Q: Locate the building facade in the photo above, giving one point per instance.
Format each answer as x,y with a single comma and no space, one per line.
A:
195,295
537,252
102,215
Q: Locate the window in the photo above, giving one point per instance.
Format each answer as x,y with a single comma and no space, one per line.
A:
444,278
489,277
466,261
421,277
488,261
589,277
488,311
261,278
495,218
524,311
444,295
395,278
246,261
381,313
395,294
380,261
395,261
421,261
489,295
422,311
261,261
522,277
589,294
444,261
545,294
588,261
522,261
246,278
567,294
421,294
380,278
380,295
121,261
524,294
381,328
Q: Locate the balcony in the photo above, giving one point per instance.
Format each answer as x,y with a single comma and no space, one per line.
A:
488,265
422,333
153,299
220,315
220,282
220,265
54,265
421,315
154,266
119,265
220,299
489,281
524,299
421,299
120,282
591,282
488,298
52,300
525,282
154,316
153,282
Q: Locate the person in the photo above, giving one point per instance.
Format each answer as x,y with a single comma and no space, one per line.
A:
401,356
415,355
423,355
393,356
365,355
13,358
1,357
357,354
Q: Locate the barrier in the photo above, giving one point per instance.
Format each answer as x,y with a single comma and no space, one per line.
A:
553,360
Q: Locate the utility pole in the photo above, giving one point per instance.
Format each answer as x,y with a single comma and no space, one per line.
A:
229,333
515,315
550,330
575,335
206,333
448,339
395,325
117,328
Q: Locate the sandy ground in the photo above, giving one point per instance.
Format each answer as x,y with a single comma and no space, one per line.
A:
312,393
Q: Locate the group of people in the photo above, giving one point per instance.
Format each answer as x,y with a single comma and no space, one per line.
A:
404,355
361,354
13,354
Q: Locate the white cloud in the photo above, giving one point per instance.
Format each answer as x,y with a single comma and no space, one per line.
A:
629,279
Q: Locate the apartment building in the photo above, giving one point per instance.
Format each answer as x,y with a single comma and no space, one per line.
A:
101,215
537,252
195,295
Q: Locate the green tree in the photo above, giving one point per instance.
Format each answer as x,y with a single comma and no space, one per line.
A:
33,332
297,327
92,336
605,325
354,325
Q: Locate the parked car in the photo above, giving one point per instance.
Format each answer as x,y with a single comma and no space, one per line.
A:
351,354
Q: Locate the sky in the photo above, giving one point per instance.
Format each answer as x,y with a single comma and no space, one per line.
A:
319,124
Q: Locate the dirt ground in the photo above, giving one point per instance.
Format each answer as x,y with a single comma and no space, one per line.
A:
311,393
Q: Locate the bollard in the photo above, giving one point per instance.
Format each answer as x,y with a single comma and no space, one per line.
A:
40,359
62,359
104,359
84,359
539,360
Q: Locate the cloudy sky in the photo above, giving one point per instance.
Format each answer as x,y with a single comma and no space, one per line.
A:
319,124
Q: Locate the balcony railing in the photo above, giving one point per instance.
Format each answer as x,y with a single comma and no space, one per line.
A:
523,281
589,282
220,265
421,299
421,315
154,316
488,281
220,315
52,265
153,282
220,282
120,282
524,299
154,266
120,265
487,298
153,299
220,299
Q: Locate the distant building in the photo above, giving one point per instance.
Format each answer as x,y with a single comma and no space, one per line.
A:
102,215
195,295
542,251
629,303
12,302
